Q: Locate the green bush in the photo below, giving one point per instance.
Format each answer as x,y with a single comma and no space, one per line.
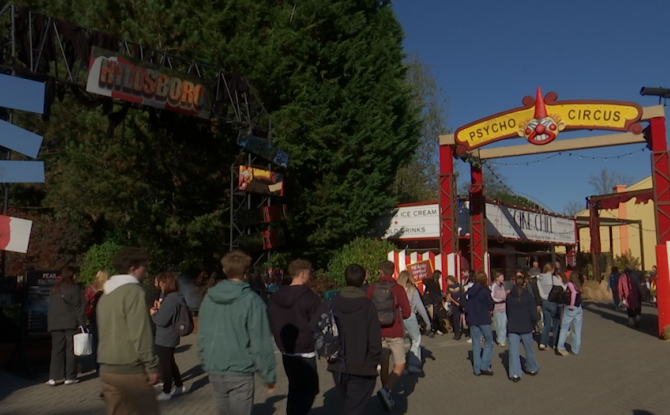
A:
368,253
98,257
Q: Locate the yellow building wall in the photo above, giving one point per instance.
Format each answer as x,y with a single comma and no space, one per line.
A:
627,236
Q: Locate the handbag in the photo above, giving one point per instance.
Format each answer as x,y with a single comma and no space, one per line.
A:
83,343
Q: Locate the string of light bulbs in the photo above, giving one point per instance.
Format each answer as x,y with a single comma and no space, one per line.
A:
570,154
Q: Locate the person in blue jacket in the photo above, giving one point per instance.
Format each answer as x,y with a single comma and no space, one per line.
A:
479,306
522,316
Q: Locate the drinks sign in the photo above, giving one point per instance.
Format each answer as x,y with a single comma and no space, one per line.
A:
541,120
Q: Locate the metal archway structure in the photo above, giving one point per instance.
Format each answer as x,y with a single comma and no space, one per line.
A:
541,120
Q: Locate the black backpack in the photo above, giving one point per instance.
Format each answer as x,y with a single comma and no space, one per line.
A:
384,299
327,337
556,292
183,326
567,297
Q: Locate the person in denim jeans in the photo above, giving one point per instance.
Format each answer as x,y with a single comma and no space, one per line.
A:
550,310
478,313
499,294
572,314
522,316
412,324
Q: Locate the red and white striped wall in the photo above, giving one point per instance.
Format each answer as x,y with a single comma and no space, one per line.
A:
402,259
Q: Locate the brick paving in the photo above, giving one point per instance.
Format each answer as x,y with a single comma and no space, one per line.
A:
620,371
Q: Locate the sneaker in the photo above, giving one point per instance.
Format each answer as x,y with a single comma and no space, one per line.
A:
52,382
516,379
487,372
638,318
71,381
385,398
560,352
457,336
415,370
180,390
159,385
502,345
440,333
164,396
542,347
631,322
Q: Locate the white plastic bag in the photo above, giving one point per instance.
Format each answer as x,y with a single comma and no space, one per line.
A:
83,343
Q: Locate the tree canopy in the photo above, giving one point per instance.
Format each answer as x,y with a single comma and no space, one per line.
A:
331,74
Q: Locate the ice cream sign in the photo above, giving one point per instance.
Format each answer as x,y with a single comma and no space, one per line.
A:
542,119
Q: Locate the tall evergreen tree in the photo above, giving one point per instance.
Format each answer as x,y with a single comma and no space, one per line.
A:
331,74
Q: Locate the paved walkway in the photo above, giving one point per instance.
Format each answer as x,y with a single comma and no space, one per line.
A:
620,371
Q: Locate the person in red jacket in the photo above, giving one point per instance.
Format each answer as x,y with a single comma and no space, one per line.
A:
393,335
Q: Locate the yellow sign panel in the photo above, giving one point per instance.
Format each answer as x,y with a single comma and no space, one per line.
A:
541,122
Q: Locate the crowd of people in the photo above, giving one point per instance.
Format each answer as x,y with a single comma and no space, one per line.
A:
360,332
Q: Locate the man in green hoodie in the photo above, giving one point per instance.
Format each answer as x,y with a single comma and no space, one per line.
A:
128,363
234,338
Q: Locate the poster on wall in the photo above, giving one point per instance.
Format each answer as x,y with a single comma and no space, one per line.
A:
36,288
420,270
255,180
114,75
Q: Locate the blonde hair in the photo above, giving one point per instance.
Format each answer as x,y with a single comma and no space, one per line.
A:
100,279
406,282
548,268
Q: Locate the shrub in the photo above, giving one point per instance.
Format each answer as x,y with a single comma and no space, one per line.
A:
366,252
98,257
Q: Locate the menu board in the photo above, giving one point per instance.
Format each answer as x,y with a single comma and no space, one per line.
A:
36,288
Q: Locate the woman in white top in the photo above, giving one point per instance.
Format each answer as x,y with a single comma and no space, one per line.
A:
412,324
551,312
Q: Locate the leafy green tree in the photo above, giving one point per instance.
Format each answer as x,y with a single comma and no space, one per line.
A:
366,252
99,257
417,180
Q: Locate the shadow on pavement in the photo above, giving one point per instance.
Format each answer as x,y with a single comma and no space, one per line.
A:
504,357
331,404
10,383
401,392
648,324
267,407
182,348
192,373
641,412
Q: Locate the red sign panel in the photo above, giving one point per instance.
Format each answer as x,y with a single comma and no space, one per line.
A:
420,270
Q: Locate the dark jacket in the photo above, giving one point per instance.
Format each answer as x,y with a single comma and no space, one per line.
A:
433,294
291,309
165,317
521,312
358,324
479,306
67,306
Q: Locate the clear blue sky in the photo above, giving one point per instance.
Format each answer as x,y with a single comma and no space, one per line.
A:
487,55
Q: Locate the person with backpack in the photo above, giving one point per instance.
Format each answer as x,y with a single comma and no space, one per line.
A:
66,312
572,314
166,315
234,339
392,308
550,288
479,306
128,362
522,316
291,309
348,334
